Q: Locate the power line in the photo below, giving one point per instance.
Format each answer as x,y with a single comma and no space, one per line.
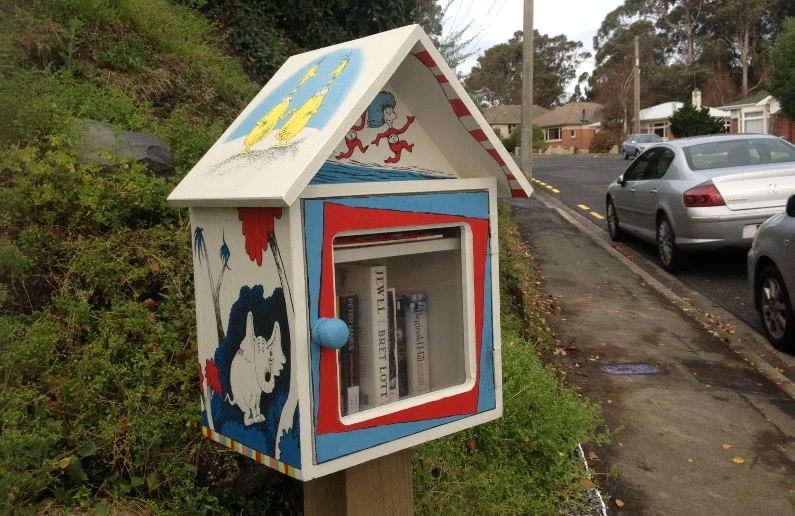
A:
456,13
477,31
464,17
489,26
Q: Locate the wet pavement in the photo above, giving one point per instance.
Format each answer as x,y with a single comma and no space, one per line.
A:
705,434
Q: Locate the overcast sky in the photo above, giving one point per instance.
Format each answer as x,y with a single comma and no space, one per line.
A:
499,19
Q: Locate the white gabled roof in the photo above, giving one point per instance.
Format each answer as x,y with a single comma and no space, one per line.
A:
285,135
667,109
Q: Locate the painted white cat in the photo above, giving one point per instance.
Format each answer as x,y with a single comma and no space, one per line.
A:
254,370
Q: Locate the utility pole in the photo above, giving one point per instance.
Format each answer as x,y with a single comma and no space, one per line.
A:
636,125
527,91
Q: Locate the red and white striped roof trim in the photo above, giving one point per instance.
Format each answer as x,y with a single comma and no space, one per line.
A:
468,121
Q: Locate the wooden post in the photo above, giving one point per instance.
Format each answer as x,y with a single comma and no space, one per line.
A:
380,486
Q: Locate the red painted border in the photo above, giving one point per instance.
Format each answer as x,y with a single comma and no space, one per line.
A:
338,218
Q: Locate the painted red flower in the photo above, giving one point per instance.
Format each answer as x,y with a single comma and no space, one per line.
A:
201,380
211,373
257,224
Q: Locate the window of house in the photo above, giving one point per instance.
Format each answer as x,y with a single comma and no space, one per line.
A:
727,126
511,127
660,129
552,134
754,122
573,133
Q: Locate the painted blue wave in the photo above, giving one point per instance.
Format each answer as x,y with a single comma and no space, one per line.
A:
332,173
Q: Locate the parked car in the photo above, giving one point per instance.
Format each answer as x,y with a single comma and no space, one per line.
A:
702,193
637,143
771,276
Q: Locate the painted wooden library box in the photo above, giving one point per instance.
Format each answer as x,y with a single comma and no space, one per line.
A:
344,233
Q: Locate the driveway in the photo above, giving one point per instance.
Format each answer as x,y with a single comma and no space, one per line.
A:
581,184
697,429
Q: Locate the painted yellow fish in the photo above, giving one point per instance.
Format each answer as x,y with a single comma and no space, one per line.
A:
300,118
339,69
267,123
308,75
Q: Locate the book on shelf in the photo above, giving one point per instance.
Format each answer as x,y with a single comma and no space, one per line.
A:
416,326
369,283
348,354
400,337
394,388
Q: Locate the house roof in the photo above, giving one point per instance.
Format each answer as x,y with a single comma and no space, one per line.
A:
571,114
748,101
667,109
291,129
510,113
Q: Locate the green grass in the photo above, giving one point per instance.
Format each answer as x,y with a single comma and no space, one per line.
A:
523,462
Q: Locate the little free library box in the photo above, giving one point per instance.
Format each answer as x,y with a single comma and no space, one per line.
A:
344,233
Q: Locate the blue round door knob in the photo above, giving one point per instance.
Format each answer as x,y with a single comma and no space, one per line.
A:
330,332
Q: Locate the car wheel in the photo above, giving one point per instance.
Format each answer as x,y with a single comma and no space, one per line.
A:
616,235
670,256
637,153
775,308
626,156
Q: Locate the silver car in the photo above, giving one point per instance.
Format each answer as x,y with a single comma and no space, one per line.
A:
701,193
771,276
637,143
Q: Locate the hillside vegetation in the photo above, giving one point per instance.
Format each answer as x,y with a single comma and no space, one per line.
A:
99,394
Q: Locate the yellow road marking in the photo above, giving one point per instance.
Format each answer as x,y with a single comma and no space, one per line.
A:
550,187
597,215
542,183
556,190
583,207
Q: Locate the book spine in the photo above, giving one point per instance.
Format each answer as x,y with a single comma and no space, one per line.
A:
400,337
394,389
349,361
373,352
417,343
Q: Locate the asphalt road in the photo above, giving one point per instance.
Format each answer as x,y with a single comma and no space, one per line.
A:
581,184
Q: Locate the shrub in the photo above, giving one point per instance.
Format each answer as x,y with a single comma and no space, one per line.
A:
603,142
689,121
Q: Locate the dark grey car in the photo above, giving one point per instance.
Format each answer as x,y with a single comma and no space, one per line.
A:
771,276
637,143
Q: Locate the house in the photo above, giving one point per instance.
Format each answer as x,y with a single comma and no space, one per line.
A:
760,113
570,127
655,119
359,169
503,118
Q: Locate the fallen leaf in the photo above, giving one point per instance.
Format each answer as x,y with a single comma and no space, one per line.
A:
155,266
619,503
727,446
64,463
471,444
609,402
586,482
620,444
592,455
690,460
738,460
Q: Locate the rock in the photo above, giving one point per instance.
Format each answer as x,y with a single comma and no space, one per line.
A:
101,143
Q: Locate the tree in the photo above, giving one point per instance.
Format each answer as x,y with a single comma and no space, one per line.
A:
689,121
264,33
739,20
782,69
497,78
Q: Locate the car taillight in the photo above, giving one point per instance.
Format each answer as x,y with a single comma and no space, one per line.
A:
702,196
